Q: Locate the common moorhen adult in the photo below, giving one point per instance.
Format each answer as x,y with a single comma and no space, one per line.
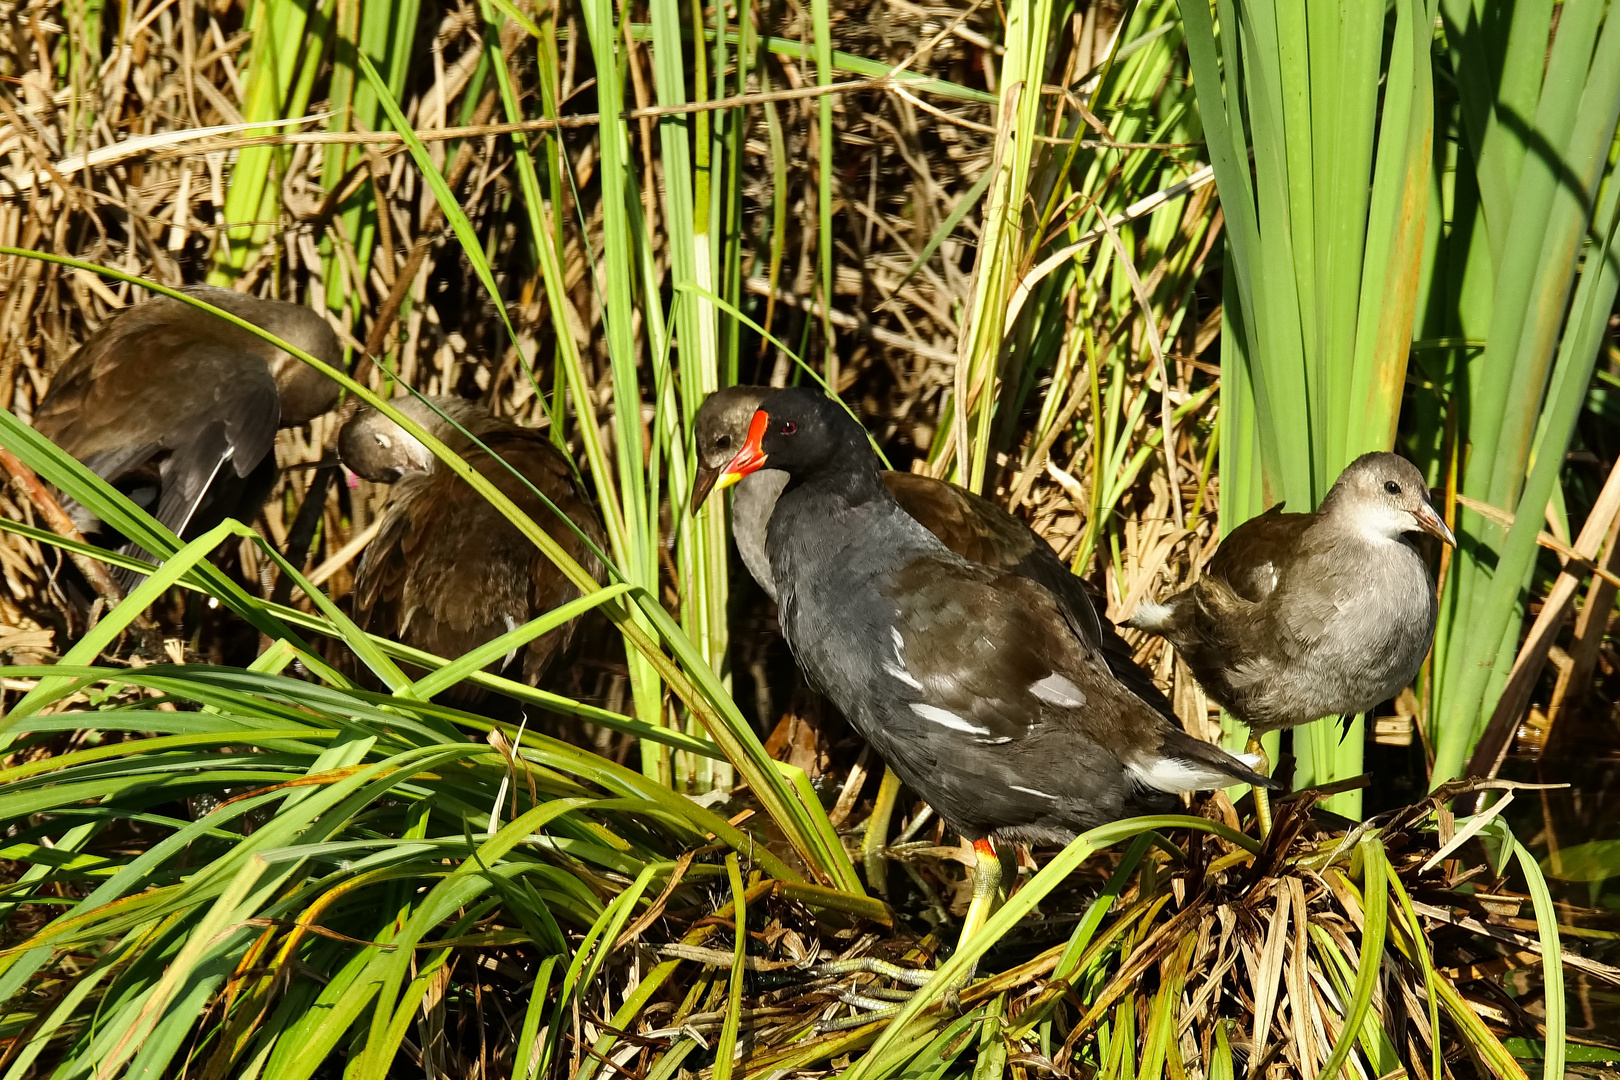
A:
1302,616
972,526
179,408
973,682
446,571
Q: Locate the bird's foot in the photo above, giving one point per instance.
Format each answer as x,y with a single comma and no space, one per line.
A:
874,1002
871,965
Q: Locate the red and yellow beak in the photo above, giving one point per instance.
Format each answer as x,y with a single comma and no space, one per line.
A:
749,459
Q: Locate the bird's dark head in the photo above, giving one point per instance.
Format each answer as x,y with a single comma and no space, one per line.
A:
804,434
1384,495
720,429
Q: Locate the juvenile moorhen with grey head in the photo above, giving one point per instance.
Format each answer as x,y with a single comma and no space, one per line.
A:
179,408
1302,616
446,571
971,681
970,525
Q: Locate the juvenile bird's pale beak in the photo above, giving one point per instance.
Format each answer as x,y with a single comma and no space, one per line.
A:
1430,522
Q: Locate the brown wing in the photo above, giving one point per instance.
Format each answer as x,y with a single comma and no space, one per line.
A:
447,572
981,531
970,525
993,654
145,406
1251,557
533,455
129,382
148,337
380,582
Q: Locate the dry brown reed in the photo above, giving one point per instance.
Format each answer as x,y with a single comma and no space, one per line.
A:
72,185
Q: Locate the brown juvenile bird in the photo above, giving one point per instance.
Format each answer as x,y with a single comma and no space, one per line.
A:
447,572
970,525
1301,616
179,408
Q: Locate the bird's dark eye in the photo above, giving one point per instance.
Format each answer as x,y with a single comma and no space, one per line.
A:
1392,487
789,428
723,442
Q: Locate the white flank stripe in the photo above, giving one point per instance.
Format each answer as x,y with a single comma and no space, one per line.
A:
898,668
1032,791
903,675
511,624
946,718
1057,690
1177,777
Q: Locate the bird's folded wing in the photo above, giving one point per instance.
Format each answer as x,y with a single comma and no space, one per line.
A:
993,653
230,428
1251,559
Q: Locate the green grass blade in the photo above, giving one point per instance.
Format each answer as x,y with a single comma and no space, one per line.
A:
877,1059
453,213
1375,924
1552,963
509,642
726,1049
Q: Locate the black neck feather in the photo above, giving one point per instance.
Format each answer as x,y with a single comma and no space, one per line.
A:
850,473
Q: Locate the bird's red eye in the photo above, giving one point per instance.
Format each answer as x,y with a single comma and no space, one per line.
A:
789,428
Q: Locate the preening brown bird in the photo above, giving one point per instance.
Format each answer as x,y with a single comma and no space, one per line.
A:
178,408
446,571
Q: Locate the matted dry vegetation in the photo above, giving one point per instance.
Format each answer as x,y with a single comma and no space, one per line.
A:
121,178
104,159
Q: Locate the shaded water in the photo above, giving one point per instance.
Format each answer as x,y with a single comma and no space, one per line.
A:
1575,832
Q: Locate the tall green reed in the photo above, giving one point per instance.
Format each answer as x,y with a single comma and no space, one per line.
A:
1050,273
1366,219
283,58
1529,266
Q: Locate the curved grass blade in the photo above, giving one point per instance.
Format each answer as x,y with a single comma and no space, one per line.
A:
692,680
102,634
1552,963
878,1060
508,642
1375,924
470,244
725,1050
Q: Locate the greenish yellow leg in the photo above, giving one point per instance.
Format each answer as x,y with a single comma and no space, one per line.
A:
986,884
875,844
1262,797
